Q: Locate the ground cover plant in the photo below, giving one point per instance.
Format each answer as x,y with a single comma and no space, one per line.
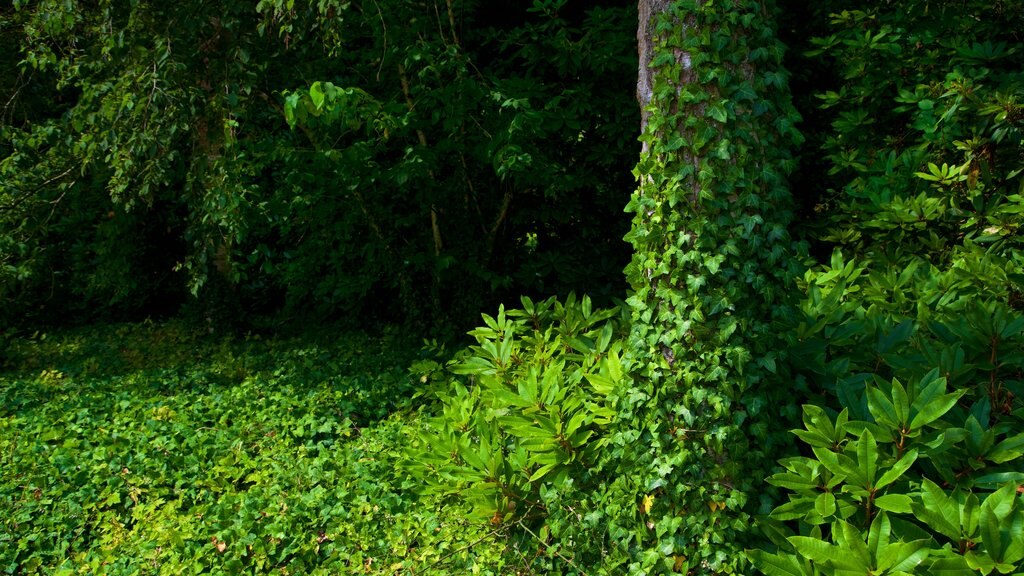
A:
153,448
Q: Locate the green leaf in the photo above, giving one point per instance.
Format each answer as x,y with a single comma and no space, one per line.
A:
602,385
938,510
879,534
542,471
825,504
980,561
867,458
897,470
904,557
954,565
900,503
776,564
1014,551
316,93
813,549
935,409
900,402
1009,449
851,551
717,111
794,509
970,517
994,512
881,408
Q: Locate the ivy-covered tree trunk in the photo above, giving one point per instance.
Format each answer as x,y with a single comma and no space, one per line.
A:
712,259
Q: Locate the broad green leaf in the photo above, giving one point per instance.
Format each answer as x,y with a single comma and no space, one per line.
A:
935,409
825,504
970,517
776,564
992,481
542,471
994,511
614,365
792,482
813,548
793,510
980,561
852,551
867,458
1014,551
881,408
954,565
602,385
900,402
905,557
900,503
879,534
840,465
897,470
1009,449
938,510
574,423
316,94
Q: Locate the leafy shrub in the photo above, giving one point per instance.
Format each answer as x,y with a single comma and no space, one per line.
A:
524,415
921,485
911,339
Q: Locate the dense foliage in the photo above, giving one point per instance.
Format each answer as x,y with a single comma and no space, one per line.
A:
418,162
435,161
911,337
129,448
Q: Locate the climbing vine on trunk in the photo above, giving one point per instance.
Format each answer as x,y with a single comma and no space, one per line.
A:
712,260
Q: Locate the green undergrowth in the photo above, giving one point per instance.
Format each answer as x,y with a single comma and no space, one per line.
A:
155,449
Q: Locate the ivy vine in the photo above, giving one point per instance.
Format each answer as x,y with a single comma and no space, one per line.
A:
712,260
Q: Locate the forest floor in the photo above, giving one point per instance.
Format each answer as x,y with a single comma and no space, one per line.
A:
157,449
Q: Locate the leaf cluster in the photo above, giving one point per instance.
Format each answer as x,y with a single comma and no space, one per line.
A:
523,420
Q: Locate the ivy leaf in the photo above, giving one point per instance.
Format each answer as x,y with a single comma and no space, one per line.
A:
717,111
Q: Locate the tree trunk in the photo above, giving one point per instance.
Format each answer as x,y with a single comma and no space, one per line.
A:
712,257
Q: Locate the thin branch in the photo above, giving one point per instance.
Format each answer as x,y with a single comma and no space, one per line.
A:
472,192
490,534
384,49
434,225
440,27
553,551
492,236
25,195
451,22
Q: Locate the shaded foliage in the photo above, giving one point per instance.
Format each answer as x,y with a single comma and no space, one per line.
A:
910,336
461,159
